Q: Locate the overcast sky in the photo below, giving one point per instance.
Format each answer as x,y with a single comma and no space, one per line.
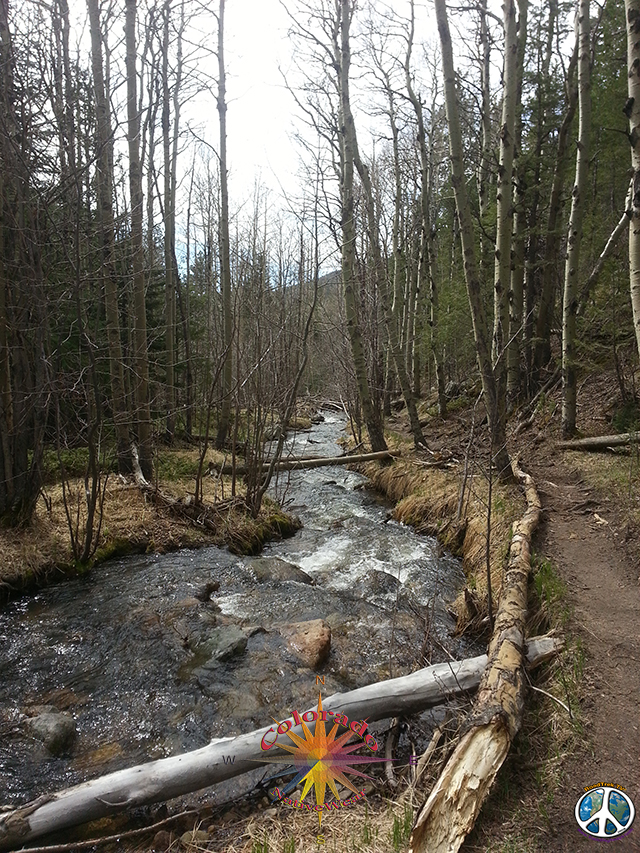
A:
260,114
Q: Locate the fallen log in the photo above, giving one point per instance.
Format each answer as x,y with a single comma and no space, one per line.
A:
227,757
314,462
454,803
599,442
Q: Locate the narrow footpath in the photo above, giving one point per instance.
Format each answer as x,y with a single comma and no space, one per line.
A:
583,537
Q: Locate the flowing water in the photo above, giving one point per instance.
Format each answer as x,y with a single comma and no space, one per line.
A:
148,670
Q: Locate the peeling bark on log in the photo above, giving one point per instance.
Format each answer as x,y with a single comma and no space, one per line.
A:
317,462
599,442
455,801
182,774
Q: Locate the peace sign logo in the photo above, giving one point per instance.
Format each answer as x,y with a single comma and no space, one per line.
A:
605,812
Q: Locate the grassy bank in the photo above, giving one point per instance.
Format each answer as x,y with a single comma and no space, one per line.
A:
428,499
132,523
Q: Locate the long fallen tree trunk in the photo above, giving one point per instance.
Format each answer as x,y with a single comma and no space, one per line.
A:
455,801
227,757
599,442
315,462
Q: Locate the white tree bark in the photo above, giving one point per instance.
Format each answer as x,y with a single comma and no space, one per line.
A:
227,757
632,109
574,236
504,223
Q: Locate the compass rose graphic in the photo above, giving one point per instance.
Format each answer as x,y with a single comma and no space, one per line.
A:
321,759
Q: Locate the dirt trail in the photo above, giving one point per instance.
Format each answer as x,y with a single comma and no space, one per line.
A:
579,534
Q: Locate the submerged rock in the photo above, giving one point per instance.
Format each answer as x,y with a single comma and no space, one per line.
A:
56,729
310,641
222,644
189,622
204,593
275,569
375,582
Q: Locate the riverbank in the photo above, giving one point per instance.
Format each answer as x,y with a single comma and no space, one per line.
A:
447,493
132,522
582,729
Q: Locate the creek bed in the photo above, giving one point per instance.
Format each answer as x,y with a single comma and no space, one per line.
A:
147,669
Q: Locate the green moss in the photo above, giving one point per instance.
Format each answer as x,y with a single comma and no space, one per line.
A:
247,536
118,547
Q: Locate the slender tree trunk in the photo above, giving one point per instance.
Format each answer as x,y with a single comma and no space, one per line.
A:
485,178
185,311
141,361
348,146
225,257
104,186
504,225
426,260
632,10
169,232
496,411
532,265
574,237
609,246
395,344
7,490
552,244
516,299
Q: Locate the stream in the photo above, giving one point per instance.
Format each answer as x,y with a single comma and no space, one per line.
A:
147,670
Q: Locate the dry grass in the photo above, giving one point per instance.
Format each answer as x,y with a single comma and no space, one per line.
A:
131,522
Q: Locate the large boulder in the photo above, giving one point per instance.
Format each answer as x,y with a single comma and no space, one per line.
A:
275,569
56,729
309,641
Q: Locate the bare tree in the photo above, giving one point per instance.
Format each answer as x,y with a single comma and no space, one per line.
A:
504,215
574,237
632,109
141,360
104,186
225,256
496,411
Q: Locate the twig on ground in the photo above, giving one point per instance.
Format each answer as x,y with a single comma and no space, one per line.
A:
107,839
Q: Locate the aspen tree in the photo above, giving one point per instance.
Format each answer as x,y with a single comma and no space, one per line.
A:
141,359
348,153
504,225
574,236
516,297
104,187
225,255
426,261
496,411
169,221
632,109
